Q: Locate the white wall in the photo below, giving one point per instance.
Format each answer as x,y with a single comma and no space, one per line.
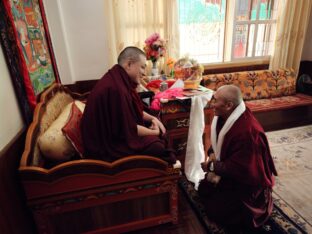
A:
77,29
307,48
11,119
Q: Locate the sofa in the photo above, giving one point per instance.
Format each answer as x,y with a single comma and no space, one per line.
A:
270,94
68,193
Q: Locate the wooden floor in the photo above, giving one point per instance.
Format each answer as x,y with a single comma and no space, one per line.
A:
188,222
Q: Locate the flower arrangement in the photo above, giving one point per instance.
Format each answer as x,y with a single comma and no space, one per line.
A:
155,47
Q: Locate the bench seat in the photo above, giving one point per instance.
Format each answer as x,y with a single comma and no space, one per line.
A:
270,94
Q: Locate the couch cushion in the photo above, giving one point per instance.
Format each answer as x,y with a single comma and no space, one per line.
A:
52,143
279,103
256,84
72,127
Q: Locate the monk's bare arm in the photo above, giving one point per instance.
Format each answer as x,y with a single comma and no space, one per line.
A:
143,131
148,117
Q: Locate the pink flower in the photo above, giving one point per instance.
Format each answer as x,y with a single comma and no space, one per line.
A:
154,47
152,38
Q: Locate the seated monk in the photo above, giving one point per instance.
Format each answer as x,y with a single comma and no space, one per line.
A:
113,122
237,189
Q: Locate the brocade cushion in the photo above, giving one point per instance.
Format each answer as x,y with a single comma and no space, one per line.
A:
53,143
72,128
256,84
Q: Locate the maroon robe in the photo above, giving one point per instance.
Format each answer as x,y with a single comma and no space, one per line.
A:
244,194
110,119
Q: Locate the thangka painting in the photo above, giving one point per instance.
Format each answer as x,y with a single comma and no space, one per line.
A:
31,34
28,50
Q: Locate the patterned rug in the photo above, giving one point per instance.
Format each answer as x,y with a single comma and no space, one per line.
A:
291,150
292,193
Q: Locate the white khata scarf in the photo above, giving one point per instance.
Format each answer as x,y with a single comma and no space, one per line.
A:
217,146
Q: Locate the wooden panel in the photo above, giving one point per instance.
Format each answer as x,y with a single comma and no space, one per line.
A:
177,125
285,118
15,217
82,86
178,141
236,69
176,121
110,214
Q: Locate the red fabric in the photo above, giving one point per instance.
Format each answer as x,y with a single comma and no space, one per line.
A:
246,168
26,78
156,84
72,129
110,119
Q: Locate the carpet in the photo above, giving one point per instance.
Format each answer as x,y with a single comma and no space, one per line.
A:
292,192
291,150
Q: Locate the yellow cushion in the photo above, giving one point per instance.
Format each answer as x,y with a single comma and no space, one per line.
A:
52,143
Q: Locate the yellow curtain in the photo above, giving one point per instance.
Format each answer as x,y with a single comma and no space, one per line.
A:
129,23
291,28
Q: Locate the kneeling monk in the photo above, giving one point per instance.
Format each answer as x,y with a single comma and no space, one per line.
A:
112,125
237,189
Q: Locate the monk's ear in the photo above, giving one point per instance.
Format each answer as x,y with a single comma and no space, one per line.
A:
230,105
128,64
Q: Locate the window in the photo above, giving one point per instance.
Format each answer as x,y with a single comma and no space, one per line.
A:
226,30
202,25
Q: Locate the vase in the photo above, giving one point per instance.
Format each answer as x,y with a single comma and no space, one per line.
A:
154,69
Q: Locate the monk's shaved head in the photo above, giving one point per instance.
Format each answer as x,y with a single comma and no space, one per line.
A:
231,93
130,53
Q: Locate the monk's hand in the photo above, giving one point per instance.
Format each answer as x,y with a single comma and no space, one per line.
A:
212,157
159,124
155,129
213,178
204,166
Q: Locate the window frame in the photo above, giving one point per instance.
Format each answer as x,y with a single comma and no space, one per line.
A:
248,23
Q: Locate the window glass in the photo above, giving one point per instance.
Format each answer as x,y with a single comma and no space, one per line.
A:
240,41
265,9
259,28
264,41
201,25
250,29
251,35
